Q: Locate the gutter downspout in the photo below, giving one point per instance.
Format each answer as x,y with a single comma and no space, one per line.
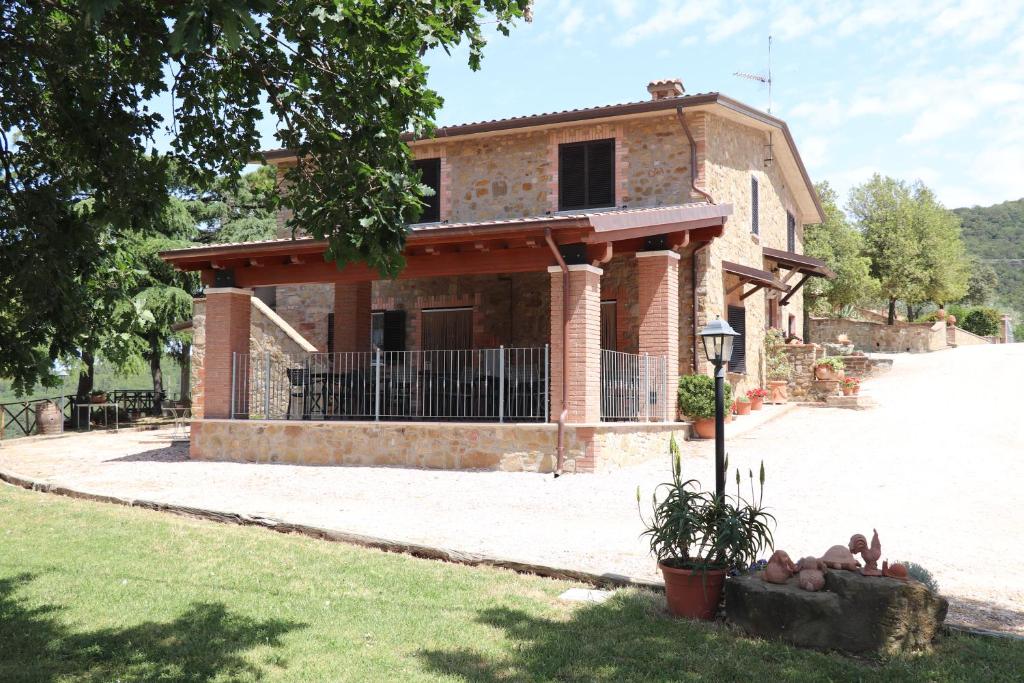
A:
560,452
693,263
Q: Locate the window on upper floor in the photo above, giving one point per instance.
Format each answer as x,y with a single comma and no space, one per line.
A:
430,175
790,232
755,209
586,175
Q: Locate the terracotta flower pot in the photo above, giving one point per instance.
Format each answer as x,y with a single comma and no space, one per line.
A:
756,403
98,398
742,408
693,593
856,390
778,391
848,391
705,427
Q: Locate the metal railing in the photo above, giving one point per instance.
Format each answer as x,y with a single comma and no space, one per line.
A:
634,387
502,384
18,418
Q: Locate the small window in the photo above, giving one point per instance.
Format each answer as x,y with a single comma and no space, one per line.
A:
446,329
586,175
737,316
790,232
609,333
755,226
430,175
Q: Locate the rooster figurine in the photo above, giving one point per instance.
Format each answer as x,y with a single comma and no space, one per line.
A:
859,544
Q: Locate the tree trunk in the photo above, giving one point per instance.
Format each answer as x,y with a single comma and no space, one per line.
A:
86,375
912,313
185,394
892,312
157,373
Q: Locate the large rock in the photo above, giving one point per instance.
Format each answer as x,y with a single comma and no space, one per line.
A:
853,613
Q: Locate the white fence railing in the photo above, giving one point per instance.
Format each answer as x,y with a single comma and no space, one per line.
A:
634,387
502,384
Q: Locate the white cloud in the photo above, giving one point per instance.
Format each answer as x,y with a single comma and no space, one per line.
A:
814,150
736,23
975,21
942,119
669,17
623,9
572,21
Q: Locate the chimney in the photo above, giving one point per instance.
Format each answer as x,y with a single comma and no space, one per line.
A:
665,88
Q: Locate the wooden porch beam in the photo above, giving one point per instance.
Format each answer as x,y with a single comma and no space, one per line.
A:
795,289
752,291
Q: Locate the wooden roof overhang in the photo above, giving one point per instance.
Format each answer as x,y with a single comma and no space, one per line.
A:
797,264
441,250
756,277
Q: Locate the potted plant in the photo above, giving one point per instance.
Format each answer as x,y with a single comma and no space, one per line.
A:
757,397
97,396
777,366
829,368
741,406
697,402
851,386
698,538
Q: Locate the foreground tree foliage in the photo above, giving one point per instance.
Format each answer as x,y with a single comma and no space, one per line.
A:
345,78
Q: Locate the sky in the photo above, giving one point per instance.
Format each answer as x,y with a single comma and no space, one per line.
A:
917,90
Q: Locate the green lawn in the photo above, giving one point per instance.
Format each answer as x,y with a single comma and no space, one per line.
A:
93,592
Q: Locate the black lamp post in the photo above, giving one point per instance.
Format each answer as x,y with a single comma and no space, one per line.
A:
717,337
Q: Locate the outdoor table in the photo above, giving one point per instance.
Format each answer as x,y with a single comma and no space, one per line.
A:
106,417
179,414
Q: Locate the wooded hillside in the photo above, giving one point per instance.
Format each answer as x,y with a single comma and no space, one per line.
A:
996,234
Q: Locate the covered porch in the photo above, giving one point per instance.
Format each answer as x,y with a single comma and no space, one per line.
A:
562,322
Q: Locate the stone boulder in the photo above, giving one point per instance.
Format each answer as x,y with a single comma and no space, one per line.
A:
853,613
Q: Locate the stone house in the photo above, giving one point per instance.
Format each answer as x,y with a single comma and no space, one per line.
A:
582,250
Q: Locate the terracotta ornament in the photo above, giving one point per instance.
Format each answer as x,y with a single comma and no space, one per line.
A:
812,573
840,557
779,568
896,570
859,544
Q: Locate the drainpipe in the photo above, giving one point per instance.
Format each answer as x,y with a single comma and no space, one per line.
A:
693,157
607,256
560,452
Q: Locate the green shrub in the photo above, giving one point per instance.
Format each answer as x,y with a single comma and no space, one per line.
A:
834,362
776,360
919,573
982,321
697,396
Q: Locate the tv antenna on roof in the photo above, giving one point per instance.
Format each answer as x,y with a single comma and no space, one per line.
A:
762,78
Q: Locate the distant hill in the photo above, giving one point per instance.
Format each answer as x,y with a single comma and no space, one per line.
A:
997,232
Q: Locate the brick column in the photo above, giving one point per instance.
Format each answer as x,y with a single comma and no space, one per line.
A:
228,316
584,337
658,296
352,311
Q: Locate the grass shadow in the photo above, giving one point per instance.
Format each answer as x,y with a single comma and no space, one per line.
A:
205,642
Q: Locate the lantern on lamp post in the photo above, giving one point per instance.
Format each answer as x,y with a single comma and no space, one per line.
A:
717,337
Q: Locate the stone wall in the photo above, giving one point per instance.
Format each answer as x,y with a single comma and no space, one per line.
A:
510,448
197,390
801,360
961,337
881,338
305,308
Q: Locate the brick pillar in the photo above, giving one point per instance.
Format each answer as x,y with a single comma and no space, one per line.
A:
352,311
584,337
228,316
658,296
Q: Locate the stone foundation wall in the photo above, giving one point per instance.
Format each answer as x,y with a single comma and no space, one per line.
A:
901,337
801,360
450,446
962,337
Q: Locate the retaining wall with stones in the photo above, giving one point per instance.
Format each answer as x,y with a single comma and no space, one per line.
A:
465,446
879,337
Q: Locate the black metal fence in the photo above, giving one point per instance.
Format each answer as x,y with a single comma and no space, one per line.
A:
18,418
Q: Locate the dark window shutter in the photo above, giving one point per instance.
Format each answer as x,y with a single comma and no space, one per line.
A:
446,329
586,175
430,175
609,333
394,331
755,217
790,232
267,295
601,173
572,177
330,333
737,318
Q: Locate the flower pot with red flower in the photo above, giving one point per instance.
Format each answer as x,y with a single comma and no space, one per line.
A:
741,406
851,386
757,397
698,539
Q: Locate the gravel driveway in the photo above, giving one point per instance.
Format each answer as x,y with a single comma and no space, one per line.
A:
936,467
